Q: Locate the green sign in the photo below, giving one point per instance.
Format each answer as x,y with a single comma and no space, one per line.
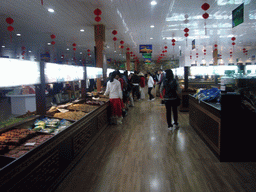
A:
147,60
238,15
147,55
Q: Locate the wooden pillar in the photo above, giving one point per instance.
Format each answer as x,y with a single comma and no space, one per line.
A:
186,71
40,93
99,37
215,57
128,60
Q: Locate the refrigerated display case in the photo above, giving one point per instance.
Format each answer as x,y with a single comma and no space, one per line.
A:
36,156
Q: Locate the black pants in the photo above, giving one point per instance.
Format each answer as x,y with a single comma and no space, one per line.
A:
171,106
136,91
149,93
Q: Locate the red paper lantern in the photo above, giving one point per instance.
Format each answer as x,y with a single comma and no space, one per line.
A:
122,47
165,51
233,43
244,49
215,45
23,48
131,52
204,53
173,44
233,38
204,50
74,49
114,38
114,32
215,49
10,28
173,40
205,15
122,42
88,50
162,51
23,57
205,6
128,52
97,12
53,42
186,34
9,20
128,49
186,30
98,19
230,52
196,53
230,55
23,53
53,36
165,47
89,54
74,44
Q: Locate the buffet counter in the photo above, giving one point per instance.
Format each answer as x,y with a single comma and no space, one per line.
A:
42,168
205,118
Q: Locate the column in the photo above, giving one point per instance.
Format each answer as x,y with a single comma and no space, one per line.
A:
99,37
128,60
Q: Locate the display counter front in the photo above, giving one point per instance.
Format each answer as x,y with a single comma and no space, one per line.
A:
42,168
205,118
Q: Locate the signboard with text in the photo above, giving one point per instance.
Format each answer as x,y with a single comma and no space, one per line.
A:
145,48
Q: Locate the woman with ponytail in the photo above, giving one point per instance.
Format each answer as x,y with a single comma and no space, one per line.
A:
115,96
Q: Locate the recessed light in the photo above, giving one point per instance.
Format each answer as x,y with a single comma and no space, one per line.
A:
119,54
29,51
51,10
153,2
48,43
151,37
82,30
67,49
18,34
114,51
3,46
81,53
152,26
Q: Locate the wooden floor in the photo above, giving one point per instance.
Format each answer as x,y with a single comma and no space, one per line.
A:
141,155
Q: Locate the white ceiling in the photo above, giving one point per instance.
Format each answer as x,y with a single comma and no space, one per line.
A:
132,20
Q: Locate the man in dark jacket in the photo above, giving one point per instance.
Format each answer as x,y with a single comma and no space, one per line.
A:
136,83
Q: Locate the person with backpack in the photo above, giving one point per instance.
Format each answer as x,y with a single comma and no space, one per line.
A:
136,83
171,99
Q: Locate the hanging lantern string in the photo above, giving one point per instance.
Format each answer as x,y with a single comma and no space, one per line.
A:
42,2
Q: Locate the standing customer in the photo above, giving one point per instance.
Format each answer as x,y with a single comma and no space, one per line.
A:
170,97
136,83
150,87
115,95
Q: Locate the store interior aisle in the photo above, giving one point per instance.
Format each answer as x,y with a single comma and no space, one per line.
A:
141,155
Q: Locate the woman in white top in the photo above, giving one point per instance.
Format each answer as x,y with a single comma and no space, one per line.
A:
150,87
115,95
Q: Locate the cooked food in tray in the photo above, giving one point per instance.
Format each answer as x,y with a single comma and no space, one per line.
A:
72,115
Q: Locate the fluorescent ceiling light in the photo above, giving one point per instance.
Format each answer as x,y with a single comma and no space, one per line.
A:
81,53
151,37
29,51
67,49
114,51
18,34
152,26
48,43
3,46
153,2
82,30
51,10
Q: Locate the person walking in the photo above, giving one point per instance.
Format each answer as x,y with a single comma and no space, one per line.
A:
171,99
115,96
150,87
142,85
